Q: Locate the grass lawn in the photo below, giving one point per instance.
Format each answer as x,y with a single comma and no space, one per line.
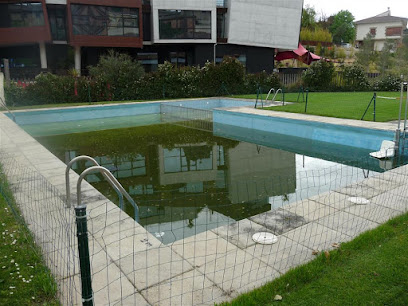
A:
370,270
24,280
349,105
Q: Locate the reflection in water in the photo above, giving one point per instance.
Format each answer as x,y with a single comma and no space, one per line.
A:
188,181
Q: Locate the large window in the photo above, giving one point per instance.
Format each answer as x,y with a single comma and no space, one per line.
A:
104,20
177,24
56,16
15,15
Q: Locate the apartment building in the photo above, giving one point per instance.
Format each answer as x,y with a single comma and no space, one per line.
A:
55,35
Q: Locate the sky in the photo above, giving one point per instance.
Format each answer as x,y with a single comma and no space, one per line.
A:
360,9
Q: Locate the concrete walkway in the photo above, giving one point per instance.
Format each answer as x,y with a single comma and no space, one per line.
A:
131,266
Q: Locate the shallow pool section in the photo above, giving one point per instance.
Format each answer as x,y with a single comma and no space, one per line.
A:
187,181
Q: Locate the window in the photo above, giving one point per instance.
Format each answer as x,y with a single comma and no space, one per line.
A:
177,24
16,15
178,58
56,15
149,61
104,20
221,25
396,31
373,31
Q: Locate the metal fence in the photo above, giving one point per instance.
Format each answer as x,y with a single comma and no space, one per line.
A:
201,119
211,255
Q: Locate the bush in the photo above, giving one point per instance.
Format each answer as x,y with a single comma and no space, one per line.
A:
388,83
14,95
355,78
319,76
263,80
118,72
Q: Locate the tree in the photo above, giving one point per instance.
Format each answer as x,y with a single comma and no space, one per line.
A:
366,54
309,17
343,28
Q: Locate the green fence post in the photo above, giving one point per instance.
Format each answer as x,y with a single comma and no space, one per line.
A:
307,98
375,99
283,96
83,249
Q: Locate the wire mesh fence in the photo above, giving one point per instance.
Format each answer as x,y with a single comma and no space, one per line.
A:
192,253
201,119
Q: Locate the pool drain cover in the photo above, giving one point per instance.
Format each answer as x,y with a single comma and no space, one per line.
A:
265,238
359,200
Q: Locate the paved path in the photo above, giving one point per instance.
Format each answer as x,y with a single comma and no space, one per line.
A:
131,266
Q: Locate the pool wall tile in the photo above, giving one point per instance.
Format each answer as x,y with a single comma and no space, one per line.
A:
318,131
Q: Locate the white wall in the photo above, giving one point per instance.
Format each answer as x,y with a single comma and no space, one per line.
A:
363,29
380,37
197,5
265,23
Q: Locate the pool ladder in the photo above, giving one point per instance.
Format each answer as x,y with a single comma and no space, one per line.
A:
106,174
3,104
272,90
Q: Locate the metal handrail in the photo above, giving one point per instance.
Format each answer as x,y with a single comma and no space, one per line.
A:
7,109
275,94
109,177
113,182
270,91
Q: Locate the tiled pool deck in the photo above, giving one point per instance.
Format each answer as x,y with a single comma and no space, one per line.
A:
216,265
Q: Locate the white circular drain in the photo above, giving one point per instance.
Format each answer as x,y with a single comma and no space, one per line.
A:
359,200
159,235
264,238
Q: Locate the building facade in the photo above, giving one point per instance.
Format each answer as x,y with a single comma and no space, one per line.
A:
56,35
381,28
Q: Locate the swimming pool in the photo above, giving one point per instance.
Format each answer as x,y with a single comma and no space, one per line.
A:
187,181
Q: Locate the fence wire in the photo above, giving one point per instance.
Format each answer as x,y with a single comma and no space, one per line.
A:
204,255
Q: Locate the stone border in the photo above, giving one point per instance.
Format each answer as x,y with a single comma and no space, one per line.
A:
228,262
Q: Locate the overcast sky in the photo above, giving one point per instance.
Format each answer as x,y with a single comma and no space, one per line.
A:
360,9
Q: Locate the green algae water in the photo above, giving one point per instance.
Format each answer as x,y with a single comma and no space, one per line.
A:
188,181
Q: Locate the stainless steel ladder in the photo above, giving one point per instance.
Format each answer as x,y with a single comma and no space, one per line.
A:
3,104
106,174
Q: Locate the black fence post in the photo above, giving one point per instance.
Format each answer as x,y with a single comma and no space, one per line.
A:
83,249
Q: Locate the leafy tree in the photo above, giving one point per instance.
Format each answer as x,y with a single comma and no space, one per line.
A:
325,22
308,17
386,57
366,55
343,28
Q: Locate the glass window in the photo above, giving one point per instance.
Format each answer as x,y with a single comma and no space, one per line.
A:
178,24
15,15
99,20
178,58
149,61
56,16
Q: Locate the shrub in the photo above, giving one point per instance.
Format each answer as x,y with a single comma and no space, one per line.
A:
388,82
15,95
355,78
319,75
118,72
264,80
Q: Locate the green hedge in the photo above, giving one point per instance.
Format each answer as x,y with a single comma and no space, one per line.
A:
123,83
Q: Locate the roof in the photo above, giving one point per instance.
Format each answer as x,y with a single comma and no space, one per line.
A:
382,19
